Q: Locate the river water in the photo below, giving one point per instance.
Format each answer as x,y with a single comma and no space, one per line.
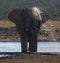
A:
41,47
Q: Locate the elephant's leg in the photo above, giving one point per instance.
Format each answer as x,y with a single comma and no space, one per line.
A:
24,44
33,44
23,36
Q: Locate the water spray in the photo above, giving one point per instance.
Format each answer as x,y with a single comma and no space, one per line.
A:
51,33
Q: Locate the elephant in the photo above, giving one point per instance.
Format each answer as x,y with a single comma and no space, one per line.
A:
28,23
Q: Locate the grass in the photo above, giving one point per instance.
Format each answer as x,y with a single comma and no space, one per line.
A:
52,6
7,24
53,24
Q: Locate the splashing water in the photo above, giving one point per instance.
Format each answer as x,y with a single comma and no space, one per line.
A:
51,33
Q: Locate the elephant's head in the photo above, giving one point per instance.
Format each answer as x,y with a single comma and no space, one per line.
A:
39,13
44,15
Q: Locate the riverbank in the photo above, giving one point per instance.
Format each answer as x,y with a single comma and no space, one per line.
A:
19,40
32,58
8,32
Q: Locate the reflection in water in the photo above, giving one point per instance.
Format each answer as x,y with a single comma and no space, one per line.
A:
42,47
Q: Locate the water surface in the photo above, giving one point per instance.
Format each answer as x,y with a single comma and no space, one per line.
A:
41,47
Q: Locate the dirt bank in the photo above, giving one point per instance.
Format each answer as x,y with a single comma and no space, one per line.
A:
7,24
32,59
8,31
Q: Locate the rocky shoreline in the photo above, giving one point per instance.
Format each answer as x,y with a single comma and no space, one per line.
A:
19,54
32,58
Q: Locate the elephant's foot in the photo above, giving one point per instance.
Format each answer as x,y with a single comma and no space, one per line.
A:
32,51
24,52
29,52
32,48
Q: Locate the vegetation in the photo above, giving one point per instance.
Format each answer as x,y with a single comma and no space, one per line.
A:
52,6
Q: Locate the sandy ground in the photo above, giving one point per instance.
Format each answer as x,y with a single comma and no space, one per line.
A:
32,59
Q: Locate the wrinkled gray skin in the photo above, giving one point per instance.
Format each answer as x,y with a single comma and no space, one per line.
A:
28,27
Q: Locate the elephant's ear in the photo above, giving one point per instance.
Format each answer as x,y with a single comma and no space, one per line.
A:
15,15
44,15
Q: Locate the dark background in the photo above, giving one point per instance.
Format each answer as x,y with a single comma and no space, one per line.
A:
52,6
